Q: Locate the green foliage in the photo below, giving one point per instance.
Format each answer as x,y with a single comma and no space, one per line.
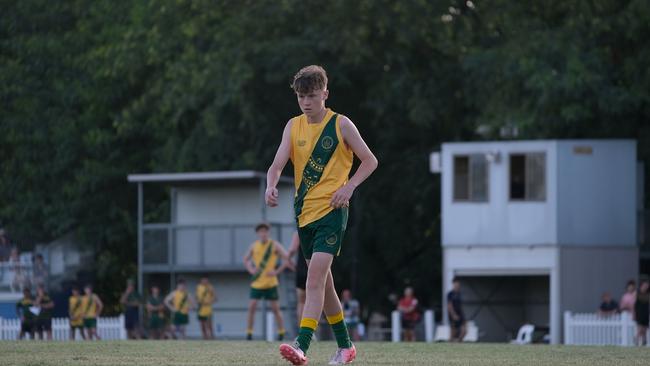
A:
94,90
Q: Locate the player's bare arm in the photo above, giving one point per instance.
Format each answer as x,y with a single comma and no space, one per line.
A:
279,249
354,141
247,261
100,304
168,301
275,170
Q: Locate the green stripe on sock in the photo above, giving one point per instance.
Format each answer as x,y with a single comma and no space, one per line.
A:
304,338
341,334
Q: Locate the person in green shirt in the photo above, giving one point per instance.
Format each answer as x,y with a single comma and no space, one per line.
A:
156,310
24,312
44,317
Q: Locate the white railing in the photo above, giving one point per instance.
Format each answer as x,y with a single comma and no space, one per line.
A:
599,330
108,328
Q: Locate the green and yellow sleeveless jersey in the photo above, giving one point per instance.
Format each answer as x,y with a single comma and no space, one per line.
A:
265,259
304,137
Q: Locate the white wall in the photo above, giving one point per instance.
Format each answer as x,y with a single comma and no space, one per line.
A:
240,204
499,220
597,193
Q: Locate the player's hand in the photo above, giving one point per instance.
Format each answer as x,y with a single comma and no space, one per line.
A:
271,273
252,271
341,197
271,196
455,317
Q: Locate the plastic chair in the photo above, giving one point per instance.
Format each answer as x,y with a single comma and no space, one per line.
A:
525,335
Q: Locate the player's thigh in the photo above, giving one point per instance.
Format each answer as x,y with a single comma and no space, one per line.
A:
319,266
252,304
300,294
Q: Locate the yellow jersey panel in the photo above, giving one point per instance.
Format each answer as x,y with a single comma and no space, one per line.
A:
262,280
304,136
181,302
89,306
205,297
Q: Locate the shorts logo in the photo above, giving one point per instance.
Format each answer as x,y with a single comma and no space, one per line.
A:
331,240
327,143
302,143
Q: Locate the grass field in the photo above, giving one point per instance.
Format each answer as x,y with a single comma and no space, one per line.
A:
261,353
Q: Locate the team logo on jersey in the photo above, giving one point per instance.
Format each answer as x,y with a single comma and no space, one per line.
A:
327,143
331,240
302,143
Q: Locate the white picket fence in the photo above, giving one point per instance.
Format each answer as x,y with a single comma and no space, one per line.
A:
108,328
599,330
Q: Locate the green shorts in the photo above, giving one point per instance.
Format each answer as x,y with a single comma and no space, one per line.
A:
156,322
204,318
180,318
90,322
325,234
265,294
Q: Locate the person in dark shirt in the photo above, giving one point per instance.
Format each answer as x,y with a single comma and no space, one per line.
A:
456,315
642,312
131,301
44,317
609,306
24,312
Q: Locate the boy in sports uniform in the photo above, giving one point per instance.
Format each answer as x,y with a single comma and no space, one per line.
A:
76,314
27,318
179,303
92,306
321,145
156,310
44,317
131,301
261,262
205,297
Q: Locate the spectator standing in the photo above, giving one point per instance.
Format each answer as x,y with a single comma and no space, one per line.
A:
608,306
351,312
456,314
39,270
408,307
131,301
92,306
629,297
20,280
179,303
44,317
156,310
205,297
27,317
5,246
76,313
642,312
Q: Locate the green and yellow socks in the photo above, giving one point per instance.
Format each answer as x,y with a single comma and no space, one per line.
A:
307,328
340,329
337,322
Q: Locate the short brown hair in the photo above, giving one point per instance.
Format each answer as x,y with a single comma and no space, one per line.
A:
309,78
261,226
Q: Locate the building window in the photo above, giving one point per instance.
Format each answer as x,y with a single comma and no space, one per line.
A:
470,178
528,177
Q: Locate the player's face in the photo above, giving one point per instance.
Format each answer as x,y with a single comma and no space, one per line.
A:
263,234
88,290
155,291
313,102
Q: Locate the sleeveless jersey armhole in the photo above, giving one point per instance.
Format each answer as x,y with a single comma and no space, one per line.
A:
339,134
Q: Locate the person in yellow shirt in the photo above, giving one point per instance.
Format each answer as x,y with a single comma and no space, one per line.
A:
261,261
92,306
76,314
205,297
321,145
179,302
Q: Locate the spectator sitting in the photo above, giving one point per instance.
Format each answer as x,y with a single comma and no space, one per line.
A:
629,298
609,306
351,311
39,271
